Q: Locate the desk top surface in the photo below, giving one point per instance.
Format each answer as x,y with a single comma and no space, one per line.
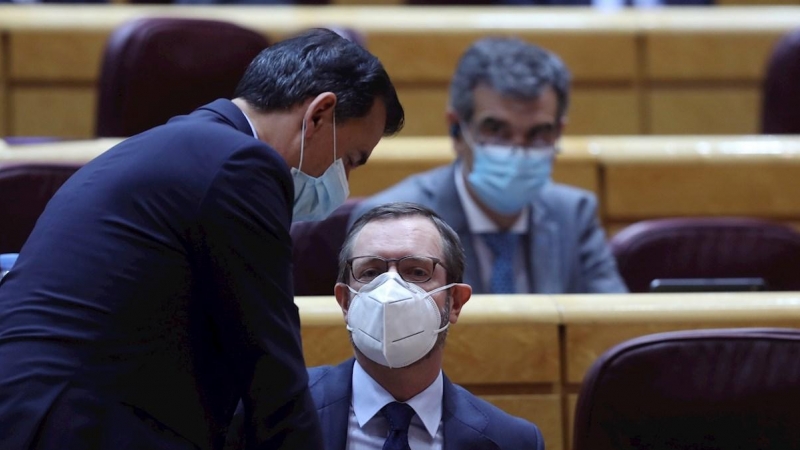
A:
284,19
614,149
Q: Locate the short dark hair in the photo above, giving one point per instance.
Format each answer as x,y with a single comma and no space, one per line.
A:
513,68
317,61
452,250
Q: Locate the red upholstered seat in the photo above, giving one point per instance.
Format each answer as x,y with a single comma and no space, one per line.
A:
694,390
720,247
780,110
26,189
157,68
316,251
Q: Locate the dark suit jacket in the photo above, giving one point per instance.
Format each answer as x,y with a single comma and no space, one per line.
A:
154,292
469,422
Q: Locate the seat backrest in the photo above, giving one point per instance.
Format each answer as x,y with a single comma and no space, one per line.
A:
719,247
699,389
316,248
780,113
157,68
25,190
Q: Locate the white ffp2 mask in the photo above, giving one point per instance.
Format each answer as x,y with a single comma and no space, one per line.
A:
393,322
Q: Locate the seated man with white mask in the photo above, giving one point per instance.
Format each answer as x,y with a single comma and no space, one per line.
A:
521,232
400,290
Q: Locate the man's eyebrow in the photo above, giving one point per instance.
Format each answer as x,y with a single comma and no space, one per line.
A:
493,122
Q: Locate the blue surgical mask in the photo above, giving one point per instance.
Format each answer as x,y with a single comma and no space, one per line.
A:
507,178
317,198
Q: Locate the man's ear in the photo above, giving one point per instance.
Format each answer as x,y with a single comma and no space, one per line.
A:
453,125
319,113
459,295
342,294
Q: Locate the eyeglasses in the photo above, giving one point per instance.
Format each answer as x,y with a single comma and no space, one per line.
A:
494,132
414,269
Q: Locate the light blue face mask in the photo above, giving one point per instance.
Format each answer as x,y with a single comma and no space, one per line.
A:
507,178
317,198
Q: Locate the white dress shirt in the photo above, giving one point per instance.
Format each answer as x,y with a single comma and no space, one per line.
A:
249,122
367,428
478,222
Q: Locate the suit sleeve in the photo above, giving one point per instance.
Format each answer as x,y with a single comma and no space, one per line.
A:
598,267
245,219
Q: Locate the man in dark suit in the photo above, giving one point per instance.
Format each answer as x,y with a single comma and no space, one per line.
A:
400,288
155,290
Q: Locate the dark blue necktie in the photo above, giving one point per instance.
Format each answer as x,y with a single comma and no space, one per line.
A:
503,246
399,417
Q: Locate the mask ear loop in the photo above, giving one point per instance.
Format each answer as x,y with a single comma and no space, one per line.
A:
334,134
436,291
302,144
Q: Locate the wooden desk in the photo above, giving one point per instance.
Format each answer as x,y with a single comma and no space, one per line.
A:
593,324
393,160
635,177
635,71
695,176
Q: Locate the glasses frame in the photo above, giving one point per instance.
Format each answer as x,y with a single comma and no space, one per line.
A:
396,261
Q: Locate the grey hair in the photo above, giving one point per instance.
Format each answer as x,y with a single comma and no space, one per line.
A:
511,67
452,250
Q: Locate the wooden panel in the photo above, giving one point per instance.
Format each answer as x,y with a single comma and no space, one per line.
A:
326,345
543,410
603,111
511,353
56,55
431,55
322,328
707,110
593,324
697,188
731,55
425,108
593,110
586,342
67,112
572,403
504,340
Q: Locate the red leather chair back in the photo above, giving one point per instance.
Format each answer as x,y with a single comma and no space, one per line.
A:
780,108
694,390
157,68
316,247
721,247
26,189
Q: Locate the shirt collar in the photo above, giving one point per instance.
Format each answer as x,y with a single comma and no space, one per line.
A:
370,397
477,220
252,128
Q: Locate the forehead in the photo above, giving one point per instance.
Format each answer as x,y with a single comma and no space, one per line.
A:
398,237
489,103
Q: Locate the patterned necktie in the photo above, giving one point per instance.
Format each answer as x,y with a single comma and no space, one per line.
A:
399,417
503,246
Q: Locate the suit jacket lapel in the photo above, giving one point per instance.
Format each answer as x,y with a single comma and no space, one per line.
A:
544,264
447,204
463,422
332,398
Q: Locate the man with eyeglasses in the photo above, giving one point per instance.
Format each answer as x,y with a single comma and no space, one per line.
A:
521,232
400,289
